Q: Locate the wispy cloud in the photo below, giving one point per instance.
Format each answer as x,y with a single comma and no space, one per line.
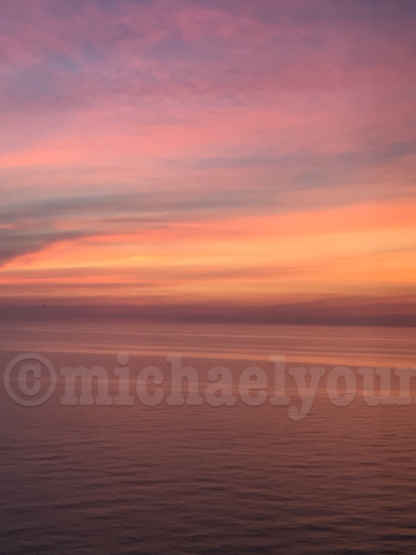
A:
14,244
231,145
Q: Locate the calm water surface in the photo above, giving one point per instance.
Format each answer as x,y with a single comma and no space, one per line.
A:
200,480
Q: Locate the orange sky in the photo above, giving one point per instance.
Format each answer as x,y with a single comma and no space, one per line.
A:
252,154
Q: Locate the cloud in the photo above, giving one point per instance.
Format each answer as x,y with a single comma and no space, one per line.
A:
17,243
310,160
133,122
218,51
398,311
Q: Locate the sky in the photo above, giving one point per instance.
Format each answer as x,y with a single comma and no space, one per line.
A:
253,158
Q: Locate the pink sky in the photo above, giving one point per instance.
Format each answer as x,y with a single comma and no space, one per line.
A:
248,153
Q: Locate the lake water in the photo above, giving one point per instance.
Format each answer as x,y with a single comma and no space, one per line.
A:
202,479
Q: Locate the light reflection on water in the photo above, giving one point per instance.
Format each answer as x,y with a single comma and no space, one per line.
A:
178,480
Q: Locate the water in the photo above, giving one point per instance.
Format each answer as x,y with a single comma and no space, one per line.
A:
199,479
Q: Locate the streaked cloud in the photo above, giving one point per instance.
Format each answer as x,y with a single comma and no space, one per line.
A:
233,151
